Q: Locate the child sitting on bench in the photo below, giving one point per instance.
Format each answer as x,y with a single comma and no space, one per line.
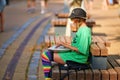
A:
80,45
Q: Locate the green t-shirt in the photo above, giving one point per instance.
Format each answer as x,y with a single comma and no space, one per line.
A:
82,41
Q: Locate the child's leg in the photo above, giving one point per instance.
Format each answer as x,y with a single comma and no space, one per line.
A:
47,57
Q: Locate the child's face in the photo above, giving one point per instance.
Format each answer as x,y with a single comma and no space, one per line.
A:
76,21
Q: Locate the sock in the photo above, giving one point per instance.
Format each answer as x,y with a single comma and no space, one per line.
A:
47,57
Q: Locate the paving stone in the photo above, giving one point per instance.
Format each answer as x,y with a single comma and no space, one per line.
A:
36,53
32,77
19,76
2,51
33,65
6,45
32,71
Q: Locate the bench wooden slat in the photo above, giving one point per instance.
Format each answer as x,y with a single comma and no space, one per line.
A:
62,39
52,40
94,50
55,74
57,39
94,40
81,75
72,77
97,75
59,22
62,15
108,65
99,39
112,60
88,75
118,61
55,22
113,74
117,69
107,43
104,50
104,75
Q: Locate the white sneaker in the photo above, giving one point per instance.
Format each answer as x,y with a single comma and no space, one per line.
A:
42,11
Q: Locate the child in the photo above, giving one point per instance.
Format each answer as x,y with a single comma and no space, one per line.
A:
79,47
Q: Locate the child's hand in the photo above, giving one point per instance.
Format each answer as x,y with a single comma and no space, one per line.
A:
59,44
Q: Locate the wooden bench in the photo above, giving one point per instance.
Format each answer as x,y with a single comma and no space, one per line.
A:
63,22
112,73
98,48
59,22
62,15
90,22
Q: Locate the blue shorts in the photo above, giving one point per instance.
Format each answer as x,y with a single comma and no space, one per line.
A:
2,5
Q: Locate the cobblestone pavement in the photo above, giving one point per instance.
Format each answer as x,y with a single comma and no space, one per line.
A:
23,31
